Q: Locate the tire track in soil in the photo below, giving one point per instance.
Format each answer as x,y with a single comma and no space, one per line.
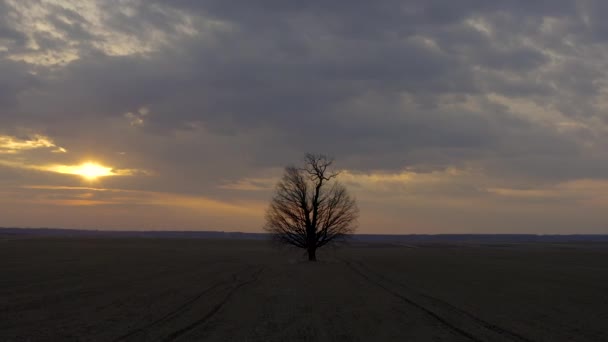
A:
440,302
429,312
181,332
489,326
179,310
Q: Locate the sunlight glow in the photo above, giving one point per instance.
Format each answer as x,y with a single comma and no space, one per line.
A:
88,170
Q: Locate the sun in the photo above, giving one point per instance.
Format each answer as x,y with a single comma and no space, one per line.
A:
89,170
92,171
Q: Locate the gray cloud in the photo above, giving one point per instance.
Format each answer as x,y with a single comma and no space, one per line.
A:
15,80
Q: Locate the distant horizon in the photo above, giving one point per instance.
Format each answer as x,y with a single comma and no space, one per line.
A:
265,233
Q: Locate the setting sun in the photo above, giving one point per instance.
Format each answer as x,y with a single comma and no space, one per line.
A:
93,171
88,170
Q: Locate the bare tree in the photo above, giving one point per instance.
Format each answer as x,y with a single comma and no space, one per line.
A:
310,208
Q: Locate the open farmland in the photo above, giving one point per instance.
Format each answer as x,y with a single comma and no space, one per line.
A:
97,289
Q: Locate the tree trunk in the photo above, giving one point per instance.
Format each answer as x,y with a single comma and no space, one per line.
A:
312,254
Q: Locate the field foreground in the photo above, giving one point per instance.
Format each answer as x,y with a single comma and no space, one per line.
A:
59,289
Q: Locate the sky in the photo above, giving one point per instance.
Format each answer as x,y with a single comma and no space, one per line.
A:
443,116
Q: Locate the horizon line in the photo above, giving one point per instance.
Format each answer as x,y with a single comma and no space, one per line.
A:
264,233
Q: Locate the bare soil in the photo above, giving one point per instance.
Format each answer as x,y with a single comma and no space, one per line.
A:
60,289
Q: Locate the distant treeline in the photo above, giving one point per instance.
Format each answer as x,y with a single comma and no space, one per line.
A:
380,238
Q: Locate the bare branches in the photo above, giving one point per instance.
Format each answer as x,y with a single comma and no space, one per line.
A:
308,209
317,165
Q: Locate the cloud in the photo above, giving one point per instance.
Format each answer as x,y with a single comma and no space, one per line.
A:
57,32
13,145
100,196
18,154
251,184
216,96
583,192
110,208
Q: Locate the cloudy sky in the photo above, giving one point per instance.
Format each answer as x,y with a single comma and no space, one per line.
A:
467,116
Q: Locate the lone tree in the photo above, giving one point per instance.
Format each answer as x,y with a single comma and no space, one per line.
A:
310,208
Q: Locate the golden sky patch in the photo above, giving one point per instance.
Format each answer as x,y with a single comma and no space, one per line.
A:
87,170
251,184
86,196
13,145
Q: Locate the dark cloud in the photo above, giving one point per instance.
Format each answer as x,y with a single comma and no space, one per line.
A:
71,24
8,34
14,81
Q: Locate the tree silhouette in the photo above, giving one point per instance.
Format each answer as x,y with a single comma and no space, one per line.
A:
310,208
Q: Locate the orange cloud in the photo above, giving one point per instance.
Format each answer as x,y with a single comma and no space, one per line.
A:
148,198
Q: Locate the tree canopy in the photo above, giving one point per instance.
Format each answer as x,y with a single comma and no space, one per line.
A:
310,208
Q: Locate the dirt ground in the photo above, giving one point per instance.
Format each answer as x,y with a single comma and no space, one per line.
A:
60,289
